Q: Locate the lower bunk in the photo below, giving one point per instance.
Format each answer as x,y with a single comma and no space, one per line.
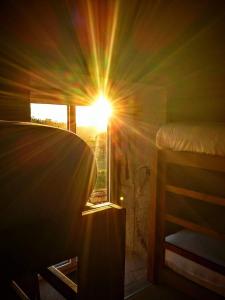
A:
198,258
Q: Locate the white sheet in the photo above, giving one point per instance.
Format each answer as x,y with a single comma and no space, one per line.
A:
208,138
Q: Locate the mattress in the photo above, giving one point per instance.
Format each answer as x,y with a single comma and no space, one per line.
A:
201,245
199,137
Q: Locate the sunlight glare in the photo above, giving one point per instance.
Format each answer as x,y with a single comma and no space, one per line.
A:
102,110
96,115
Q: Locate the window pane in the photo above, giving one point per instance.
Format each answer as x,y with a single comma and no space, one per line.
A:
96,137
49,114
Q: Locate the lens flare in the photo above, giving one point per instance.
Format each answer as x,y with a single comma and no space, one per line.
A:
96,115
102,111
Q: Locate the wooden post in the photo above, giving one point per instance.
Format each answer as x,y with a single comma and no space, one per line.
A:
152,243
102,258
71,118
161,207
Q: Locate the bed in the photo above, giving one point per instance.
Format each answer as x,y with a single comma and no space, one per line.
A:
191,207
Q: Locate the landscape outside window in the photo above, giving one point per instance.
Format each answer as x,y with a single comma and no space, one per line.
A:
95,136
49,114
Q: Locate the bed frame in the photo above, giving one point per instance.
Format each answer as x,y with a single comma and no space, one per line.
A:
168,222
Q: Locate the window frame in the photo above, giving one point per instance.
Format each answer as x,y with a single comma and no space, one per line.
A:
71,126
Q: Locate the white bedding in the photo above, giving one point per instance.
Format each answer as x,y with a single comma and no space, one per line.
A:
207,138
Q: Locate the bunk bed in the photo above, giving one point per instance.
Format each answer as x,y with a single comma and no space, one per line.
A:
190,213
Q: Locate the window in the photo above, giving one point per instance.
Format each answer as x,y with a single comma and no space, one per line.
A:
89,128
49,114
95,135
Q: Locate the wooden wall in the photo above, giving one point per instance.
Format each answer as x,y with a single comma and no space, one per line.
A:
137,161
197,77
14,94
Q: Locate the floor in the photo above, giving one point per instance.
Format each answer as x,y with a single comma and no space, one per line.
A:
135,273
135,278
150,292
136,285
158,292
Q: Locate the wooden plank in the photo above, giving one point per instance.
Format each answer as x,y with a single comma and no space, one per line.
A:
197,160
71,118
97,209
19,292
194,227
69,266
187,286
160,228
27,285
115,161
196,195
152,215
101,262
60,282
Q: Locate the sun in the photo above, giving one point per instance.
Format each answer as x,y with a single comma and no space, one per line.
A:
102,111
96,115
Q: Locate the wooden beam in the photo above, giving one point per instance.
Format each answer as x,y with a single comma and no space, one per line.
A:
101,262
60,282
152,247
194,227
194,290
71,118
197,160
196,195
